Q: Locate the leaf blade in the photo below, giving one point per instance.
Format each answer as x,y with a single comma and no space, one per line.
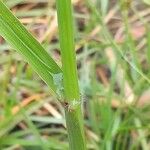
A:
21,40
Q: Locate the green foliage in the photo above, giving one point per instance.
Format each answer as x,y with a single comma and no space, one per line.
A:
113,56
21,40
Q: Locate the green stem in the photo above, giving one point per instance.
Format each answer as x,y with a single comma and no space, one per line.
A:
72,102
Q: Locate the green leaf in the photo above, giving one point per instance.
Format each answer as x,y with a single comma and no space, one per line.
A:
21,40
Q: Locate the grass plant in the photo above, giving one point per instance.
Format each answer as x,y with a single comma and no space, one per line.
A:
107,41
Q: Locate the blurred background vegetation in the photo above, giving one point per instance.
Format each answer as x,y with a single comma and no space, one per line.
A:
113,55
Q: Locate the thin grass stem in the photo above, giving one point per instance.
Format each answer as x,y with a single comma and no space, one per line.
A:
72,100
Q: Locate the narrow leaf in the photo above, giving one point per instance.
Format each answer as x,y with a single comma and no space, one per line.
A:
21,40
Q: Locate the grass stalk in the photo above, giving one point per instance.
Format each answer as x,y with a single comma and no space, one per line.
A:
72,100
